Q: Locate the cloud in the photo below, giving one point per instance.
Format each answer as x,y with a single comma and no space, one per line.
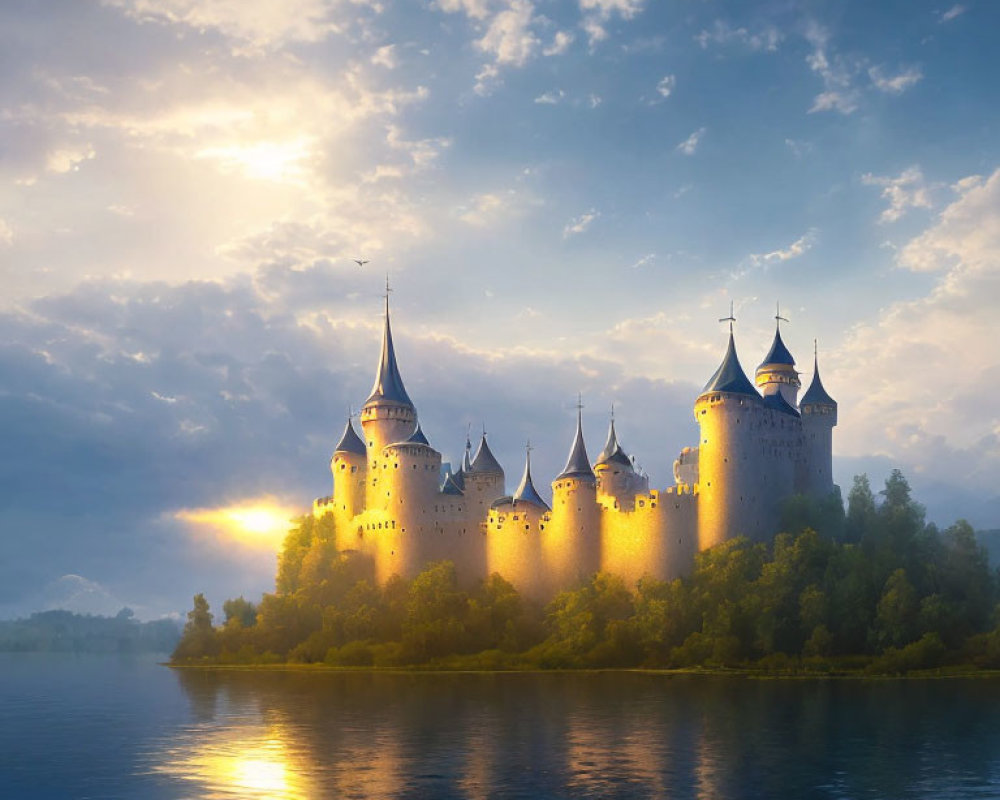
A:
837,73
665,86
258,23
894,84
907,190
490,208
598,12
68,159
797,248
6,233
594,100
560,44
930,369
476,9
690,145
550,98
579,224
722,33
646,259
953,12
798,147
509,37
385,56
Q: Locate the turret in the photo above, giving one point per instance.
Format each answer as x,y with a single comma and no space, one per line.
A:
819,417
571,542
617,480
349,467
388,415
483,480
776,372
728,412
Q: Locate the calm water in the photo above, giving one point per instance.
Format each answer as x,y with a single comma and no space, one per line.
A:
100,727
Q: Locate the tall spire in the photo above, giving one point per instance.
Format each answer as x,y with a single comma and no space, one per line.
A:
388,386
612,449
484,460
467,457
730,377
526,492
778,354
350,442
577,465
816,394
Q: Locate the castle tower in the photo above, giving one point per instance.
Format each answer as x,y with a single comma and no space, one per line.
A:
819,417
484,480
729,413
571,542
776,372
388,415
349,466
617,480
512,539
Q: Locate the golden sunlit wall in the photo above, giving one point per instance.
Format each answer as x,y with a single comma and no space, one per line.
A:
570,538
383,425
513,547
656,538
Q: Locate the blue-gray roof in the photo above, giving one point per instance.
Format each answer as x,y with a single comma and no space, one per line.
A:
450,486
467,456
778,402
417,437
526,492
577,465
388,386
729,377
613,451
350,442
816,395
778,354
484,460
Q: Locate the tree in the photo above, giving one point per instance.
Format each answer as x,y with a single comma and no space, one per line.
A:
860,510
199,639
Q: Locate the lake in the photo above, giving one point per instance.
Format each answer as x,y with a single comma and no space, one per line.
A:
110,727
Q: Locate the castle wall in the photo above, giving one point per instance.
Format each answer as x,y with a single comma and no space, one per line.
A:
657,537
781,450
513,547
816,473
571,539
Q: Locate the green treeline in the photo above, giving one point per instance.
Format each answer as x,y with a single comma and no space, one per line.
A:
66,632
875,589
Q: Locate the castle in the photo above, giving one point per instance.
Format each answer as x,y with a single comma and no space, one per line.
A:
758,445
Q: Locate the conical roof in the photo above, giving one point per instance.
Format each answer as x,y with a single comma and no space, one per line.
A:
484,460
417,437
450,485
577,465
816,395
778,402
613,451
350,442
729,377
778,354
388,386
526,492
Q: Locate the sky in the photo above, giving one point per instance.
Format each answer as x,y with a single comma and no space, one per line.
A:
566,196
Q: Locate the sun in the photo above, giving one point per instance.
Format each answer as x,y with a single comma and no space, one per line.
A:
260,522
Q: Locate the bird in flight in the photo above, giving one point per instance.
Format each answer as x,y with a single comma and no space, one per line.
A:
360,262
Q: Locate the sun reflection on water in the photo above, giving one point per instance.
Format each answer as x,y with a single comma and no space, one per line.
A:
253,762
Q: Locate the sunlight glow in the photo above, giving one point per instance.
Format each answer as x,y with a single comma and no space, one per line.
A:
281,162
261,522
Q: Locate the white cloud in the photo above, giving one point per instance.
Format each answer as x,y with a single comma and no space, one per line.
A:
797,248
579,224
798,147
594,30
951,13
68,159
646,259
894,84
258,23
386,57
930,365
598,12
550,98
665,86
837,73
907,190
594,100
690,145
489,208
476,9
560,44
509,36
486,79
722,33
6,233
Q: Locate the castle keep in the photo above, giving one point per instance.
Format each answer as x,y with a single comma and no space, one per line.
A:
758,445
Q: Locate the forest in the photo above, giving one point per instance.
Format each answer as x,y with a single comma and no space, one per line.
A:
874,589
65,632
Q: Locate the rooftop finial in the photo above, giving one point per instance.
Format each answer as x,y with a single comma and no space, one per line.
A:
730,319
816,350
777,315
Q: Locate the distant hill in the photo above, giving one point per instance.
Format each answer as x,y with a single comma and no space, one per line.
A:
991,541
66,632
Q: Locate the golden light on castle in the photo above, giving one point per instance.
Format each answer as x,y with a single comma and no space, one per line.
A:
261,522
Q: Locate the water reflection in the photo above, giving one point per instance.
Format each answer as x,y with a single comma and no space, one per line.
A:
361,735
